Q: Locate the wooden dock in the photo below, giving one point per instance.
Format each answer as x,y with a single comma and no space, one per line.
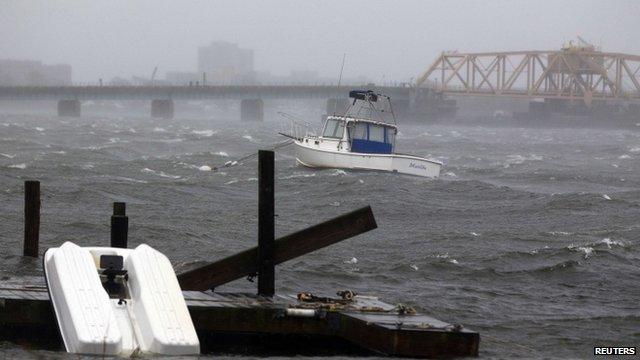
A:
247,323
262,324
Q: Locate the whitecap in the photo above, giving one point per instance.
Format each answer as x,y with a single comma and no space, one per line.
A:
297,176
556,233
614,165
474,234
204,168
335,203
60,152
130,179
8,156
353,260
159,129
221,153
231,182
606,197
206,133
18,166
338,172
450,174
414,267
609,242
252,179
361,181
87,166
160,173
587,250
454,261
635,149
39,128
625,156
170,141
248,137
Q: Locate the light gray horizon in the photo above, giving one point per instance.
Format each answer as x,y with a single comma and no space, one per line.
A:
383,40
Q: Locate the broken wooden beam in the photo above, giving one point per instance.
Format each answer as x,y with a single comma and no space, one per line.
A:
286,248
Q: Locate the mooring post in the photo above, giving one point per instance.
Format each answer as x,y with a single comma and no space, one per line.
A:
266,224
31,217
119,225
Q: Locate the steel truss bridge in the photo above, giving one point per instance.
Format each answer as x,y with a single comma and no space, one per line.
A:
575,73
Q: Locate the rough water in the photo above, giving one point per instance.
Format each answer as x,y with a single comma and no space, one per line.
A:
530,236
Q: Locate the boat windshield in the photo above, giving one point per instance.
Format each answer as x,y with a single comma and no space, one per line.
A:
333,129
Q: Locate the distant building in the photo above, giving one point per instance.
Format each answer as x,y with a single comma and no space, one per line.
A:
33,73
226,63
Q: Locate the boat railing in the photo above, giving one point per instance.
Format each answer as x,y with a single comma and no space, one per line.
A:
298,129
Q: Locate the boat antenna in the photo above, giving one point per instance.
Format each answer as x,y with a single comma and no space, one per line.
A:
335,104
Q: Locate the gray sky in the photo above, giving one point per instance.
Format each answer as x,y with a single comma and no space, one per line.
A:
392,39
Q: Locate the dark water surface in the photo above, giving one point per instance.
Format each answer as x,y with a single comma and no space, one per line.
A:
531,236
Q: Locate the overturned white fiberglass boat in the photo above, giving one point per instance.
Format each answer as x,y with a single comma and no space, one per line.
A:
361,139
113,301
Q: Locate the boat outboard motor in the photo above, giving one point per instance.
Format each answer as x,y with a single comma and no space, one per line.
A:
112,266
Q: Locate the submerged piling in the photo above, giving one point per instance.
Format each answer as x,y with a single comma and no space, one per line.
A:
31,218
266,224
119,225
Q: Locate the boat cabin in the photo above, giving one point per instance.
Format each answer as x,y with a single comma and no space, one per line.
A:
363,136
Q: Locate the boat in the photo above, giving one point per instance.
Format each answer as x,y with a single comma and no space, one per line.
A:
118,302
364,138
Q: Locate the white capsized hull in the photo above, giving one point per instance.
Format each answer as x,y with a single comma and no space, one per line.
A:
310,156
153,319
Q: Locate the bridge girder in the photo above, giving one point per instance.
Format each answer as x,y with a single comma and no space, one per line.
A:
572,74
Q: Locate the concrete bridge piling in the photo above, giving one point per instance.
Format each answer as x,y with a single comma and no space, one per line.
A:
252,110
162,108
69,108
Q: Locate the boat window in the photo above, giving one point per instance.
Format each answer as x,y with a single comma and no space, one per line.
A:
334,129
391,135
376,133
360,131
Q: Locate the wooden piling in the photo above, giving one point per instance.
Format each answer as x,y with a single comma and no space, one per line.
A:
266,223
119,225
31,218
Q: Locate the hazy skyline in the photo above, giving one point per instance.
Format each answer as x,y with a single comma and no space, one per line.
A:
382,39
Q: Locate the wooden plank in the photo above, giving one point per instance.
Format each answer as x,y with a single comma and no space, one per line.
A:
286,248
392,337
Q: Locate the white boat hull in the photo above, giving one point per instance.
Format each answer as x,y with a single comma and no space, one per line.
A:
153,319
314,157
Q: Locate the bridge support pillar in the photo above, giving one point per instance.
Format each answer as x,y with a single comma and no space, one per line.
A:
401,108
69,108
337,106
251,110
162,108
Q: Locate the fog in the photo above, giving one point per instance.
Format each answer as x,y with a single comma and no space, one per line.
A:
392,40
